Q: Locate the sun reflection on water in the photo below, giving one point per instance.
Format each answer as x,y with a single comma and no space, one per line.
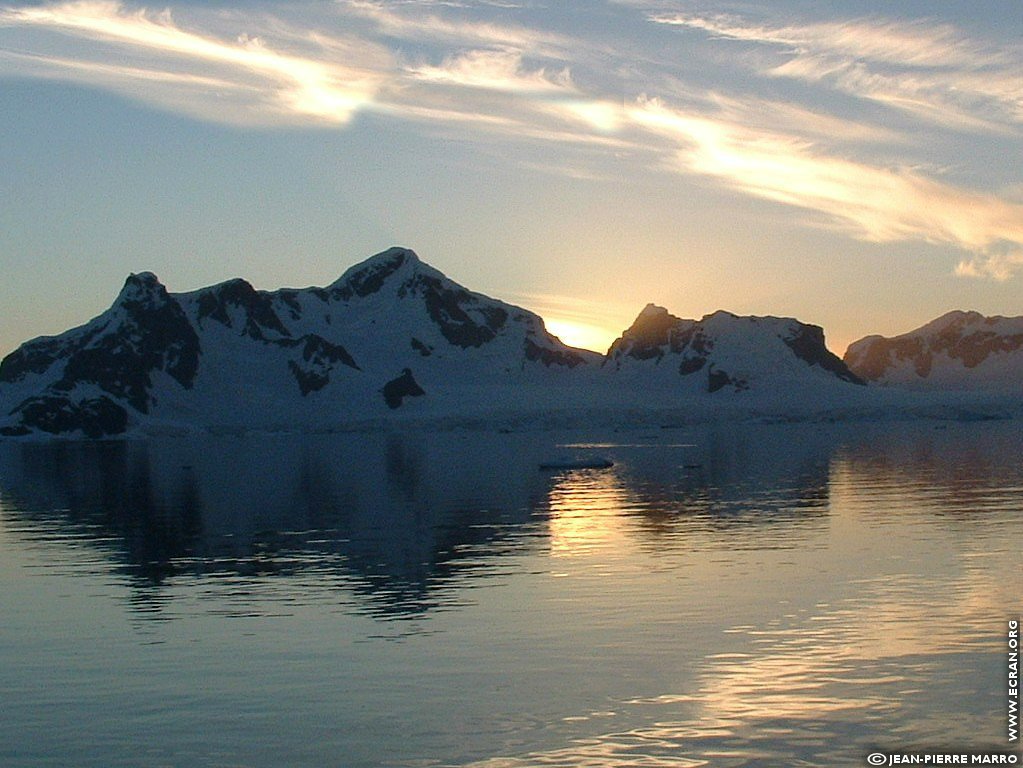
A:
586,509
900,642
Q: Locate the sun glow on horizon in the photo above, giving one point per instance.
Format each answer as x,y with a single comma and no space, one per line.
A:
582,335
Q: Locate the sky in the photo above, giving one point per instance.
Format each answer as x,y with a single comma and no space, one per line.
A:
856,165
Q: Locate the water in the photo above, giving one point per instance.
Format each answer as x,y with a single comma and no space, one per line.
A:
734,596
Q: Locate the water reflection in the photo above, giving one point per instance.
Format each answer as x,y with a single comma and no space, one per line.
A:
728,597
906,655
399,521
394,519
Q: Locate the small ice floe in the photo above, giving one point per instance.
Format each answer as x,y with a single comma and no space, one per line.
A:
577,462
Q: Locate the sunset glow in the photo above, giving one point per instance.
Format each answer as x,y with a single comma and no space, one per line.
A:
582,335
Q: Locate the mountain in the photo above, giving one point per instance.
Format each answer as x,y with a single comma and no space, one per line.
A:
391,335
388,333
725,352
959,350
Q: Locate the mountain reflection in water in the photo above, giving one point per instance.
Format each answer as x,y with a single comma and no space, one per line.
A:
730,596
398,520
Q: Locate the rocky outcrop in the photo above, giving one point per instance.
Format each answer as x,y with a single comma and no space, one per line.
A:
396,390
958,349
93,417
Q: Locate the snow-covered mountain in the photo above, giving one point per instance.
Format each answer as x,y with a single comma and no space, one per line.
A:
725,352
393,336
388,333
959,350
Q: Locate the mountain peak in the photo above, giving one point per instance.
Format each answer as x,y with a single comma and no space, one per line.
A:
397,251
369,276
651,310
141,287
953,319
651,326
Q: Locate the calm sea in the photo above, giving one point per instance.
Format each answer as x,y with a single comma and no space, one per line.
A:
789,595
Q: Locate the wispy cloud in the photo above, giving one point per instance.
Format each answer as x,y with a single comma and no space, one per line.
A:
413,24
494,70
870,202
912,43
444,67
269,80
933,71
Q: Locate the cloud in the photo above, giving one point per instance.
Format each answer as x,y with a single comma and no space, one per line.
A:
417,26
438,66
611,317
997,266
264,84
869,202
933,71
602,116
990,102
906,43
769,115
494,70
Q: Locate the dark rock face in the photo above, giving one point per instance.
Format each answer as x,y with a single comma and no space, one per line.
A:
319,358
691,365
150,339
34,357
718,380
372,277
694,347
448,307
289,298
465,320
807,342
423,349
548,356
257,305
396,390
699,345
152,333
648,335
308,381
656,333
95,417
